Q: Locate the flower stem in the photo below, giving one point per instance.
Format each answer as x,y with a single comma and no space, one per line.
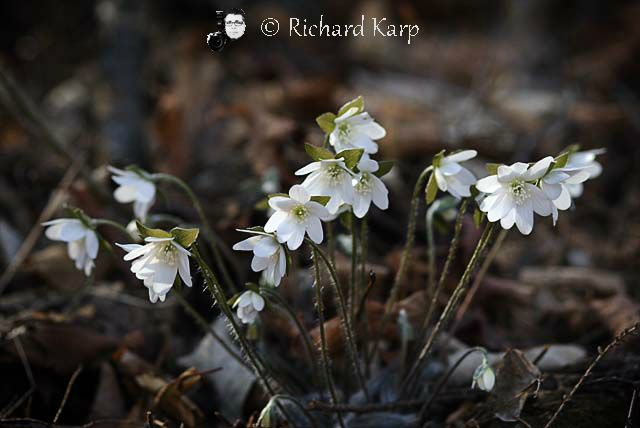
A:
297,403
346,324
204,325
446,377
324,351
115,225
432,295
411,378
214,240
353,281
218,294
304,334
406,252
479,277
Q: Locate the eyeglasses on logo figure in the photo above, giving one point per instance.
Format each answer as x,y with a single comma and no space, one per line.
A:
230,26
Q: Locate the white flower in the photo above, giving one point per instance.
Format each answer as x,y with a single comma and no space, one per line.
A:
453,178
249,304
328,177
157,263
484,377
269,256
584,160
557,186
294,216
355,130
513,198
133,187
82,241
367,188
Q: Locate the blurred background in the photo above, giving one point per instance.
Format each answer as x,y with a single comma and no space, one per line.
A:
120,82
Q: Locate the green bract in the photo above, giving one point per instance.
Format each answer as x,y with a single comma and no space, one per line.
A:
358,103
317,153
326,122
384,167
351,157
432,189
185,237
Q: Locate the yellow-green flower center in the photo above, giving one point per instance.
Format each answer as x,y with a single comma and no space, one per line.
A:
364,185
519,191
300,212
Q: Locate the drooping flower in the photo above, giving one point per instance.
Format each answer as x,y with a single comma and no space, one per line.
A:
269,256
484,377
82,241
585,160
294,216
513,196
328,177
452,177
157,263
134,186
368,188
249,304
356,129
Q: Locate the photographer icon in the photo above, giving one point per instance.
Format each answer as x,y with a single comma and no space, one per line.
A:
230,26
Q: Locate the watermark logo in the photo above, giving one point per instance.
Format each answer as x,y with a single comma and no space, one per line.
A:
230,26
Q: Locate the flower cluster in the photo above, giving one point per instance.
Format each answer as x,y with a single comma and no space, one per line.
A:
336,181
515,192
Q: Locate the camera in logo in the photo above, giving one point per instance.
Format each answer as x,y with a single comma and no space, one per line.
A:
230,25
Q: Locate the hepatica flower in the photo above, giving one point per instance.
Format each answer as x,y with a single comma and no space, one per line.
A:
368,188
585,160
82,241
249,304
134,186
161,259
352,128
452,177
269,256
513,196
294,216
484,377
328,177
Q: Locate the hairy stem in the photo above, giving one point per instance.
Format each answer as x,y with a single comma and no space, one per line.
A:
324,351
445,378
412,377
406,252
312,422
304,334
115,225
432,295
214,240
218,294
346,324
207,329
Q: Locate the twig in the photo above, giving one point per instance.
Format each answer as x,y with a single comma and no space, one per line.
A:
52,206
365,408
601,353
28,113
27,369
629,423
72,380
